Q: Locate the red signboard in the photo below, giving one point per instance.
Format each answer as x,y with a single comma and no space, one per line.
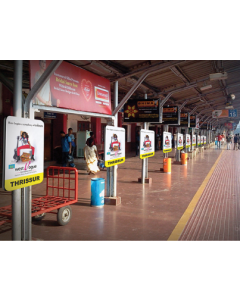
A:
72,88
229,126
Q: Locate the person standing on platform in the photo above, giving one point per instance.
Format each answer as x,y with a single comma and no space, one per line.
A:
238,141
228,142
92,137
91,157
235,140
219,141
70,130
66,149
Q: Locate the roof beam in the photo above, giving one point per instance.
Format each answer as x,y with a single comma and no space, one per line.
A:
140,80
152,69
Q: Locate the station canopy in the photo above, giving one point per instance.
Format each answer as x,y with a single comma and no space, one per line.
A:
199,85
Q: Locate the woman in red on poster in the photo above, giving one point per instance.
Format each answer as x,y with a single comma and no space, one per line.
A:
167,141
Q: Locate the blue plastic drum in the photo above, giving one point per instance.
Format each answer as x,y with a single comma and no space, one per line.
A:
97,192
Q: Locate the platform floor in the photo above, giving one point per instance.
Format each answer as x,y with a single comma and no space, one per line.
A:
152,212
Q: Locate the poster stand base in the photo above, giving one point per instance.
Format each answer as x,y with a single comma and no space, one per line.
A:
147,180
112,201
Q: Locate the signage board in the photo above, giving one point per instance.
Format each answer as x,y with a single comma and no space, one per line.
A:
147,143
203,125
184,120
225,113
188,140
170,115
114,146
137,110
199,141
71,87
167,142
204,140
193,140
229,125
193,121
179,141
50,115
23,153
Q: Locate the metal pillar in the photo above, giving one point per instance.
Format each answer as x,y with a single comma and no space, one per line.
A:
17,112
165,128
144,161
178,156
114,171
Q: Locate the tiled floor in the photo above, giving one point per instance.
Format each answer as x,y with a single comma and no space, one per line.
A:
148,212
216,216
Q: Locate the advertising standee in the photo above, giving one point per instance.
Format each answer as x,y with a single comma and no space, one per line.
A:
147,143
167,142
199,141
179,141
193,140
24,151
188,140
114,146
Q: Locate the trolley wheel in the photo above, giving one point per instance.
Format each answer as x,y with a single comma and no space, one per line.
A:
64,215
38,217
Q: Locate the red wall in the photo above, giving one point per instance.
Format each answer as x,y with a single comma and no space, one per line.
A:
96,128
60,123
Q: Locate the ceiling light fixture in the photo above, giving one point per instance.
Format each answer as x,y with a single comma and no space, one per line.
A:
232,96
218,76
205,87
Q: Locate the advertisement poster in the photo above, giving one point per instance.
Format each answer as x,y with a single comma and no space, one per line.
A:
114,146
147,143
167,142
193,121
204,140
72,88
179,141
224,113
188,141
184,120
197,123
199,141
193,140
229,126
141,111
24,152
170,115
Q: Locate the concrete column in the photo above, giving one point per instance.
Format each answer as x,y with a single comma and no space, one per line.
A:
96,128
